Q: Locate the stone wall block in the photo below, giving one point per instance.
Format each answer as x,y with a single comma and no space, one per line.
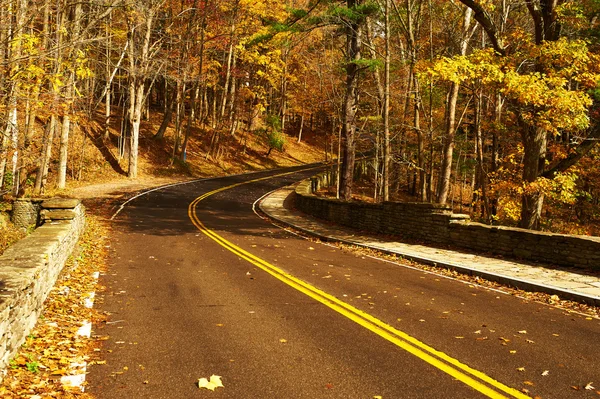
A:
437,224
29,269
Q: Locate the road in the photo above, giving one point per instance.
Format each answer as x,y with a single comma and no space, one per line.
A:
199,285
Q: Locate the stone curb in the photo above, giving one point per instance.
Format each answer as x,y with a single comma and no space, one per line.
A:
499,278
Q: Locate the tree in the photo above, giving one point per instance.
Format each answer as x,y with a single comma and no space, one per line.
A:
533,122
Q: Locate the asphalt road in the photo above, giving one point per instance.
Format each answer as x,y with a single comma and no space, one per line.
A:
212,289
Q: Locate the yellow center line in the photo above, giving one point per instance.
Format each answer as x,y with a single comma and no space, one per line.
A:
469,376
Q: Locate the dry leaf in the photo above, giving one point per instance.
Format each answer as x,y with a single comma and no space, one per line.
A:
212,384
545,373
528,383
523,332
589,386
283,340
521,369
513,352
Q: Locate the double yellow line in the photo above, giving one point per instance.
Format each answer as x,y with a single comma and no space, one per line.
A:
469,376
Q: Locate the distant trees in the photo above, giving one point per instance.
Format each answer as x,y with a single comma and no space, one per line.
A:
495,101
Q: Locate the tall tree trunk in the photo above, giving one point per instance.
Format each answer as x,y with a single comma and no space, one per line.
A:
422,188
301,128
42,173
139,65
447,152
350,106
450,130
160,134
63,152
534,159
230,55
386,108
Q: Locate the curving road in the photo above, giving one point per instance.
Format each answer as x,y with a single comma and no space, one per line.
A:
199,285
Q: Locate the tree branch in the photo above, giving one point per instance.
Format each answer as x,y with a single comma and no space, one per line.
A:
487,23
579,152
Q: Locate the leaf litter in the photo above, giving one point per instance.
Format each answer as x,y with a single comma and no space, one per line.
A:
54,347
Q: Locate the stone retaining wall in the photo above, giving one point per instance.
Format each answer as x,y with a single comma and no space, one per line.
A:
30,267
438,225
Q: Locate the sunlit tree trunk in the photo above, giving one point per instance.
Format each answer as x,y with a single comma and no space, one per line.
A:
386,107
350,105
450,129
139,65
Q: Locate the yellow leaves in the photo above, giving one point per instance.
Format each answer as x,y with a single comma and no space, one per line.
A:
212,384
549,82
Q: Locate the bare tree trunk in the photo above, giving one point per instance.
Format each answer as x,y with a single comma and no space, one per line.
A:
386,108
190,122
229,61
138,69
42,173
63,152
350,107
160,134
534,159
301,128
422,189
446,169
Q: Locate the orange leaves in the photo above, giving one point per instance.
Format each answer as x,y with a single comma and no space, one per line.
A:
55,345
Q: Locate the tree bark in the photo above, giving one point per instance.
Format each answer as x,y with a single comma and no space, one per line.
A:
350,106
450,130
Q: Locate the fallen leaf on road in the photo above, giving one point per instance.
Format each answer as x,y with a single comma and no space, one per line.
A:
523,332
283,340
459,337
521,369
477,332
528,383
513,352
545,373
212,384
529,341
311,248
589,386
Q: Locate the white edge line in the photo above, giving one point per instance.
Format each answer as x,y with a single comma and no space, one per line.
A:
347,242
197,181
